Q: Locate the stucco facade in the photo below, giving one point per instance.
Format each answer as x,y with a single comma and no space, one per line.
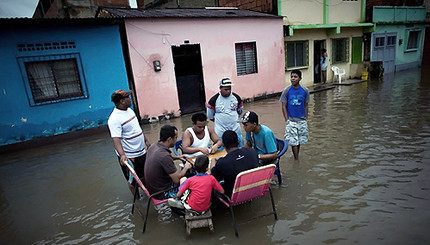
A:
152,40
334,25
398,39
41,96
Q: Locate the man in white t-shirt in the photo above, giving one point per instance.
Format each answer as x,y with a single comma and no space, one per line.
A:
127,136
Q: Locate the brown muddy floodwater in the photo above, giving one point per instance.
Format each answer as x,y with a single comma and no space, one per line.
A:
363,178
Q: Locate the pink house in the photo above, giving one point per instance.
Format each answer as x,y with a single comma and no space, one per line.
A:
178,56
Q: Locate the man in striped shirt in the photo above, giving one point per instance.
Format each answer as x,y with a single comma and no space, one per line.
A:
127,136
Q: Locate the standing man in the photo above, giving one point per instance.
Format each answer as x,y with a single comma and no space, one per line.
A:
225,110
196,139
160,170
295,100
128,139
261,138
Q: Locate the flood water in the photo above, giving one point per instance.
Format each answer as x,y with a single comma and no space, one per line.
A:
363,178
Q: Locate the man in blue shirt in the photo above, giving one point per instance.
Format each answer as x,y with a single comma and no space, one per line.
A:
260,137
295,100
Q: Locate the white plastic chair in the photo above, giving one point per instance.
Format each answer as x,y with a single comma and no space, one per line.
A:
338,72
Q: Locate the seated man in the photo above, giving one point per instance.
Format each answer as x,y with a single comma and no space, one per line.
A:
160,170
260,137
236,161
195,140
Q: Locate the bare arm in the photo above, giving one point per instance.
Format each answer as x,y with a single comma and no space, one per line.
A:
176,176
268,157
248,144
147,143
284,110
118,147
215,138
306,110
187,141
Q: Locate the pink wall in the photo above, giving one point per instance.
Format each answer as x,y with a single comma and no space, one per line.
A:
151,40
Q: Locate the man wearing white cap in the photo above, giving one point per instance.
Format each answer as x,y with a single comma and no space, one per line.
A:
225,110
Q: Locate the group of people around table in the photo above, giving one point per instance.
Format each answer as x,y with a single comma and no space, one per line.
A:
192,189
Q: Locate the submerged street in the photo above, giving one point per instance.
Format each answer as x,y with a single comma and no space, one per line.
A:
363,178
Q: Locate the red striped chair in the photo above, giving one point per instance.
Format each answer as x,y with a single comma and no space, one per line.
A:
249,185
151,198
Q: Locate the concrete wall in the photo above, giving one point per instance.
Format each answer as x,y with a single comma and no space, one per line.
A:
151,40
305,12
103,70
352,70
400,20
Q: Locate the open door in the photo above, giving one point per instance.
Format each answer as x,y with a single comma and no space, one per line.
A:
318,46
189,78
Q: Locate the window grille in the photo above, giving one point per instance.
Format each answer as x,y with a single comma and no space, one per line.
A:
340,50
53,78
297,53
246,58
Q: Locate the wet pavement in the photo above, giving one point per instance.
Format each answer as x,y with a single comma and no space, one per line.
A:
363,178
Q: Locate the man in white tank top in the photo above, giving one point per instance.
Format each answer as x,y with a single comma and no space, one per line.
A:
196,139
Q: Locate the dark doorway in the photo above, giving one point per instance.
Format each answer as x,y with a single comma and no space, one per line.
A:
318,46
189,78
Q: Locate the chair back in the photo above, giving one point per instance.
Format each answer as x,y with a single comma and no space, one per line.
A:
282,146
177,147
142,186
251,184
335,69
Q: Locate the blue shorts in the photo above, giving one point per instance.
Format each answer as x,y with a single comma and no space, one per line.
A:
296,132
172,192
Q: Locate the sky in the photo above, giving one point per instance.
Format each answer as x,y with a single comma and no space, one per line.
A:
25,8
17,8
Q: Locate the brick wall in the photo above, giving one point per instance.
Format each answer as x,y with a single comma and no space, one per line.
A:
256,5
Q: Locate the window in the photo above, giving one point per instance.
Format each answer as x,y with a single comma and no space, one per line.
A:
53,78
379,42
391,40
413,37
246,58
297,53
340,50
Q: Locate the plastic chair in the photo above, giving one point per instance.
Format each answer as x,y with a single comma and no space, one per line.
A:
338,72
177,147
151,198
249,185
282,146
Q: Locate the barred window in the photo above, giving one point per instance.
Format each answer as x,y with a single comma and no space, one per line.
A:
246,58
297,53
340,50
53,78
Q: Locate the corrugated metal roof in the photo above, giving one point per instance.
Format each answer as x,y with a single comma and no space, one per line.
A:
29,22
184,13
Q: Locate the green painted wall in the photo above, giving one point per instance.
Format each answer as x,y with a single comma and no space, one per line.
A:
402,55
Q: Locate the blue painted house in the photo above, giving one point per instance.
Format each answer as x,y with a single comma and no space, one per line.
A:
57,76
399,36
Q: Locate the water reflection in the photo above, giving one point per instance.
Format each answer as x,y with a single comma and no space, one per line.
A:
362,178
